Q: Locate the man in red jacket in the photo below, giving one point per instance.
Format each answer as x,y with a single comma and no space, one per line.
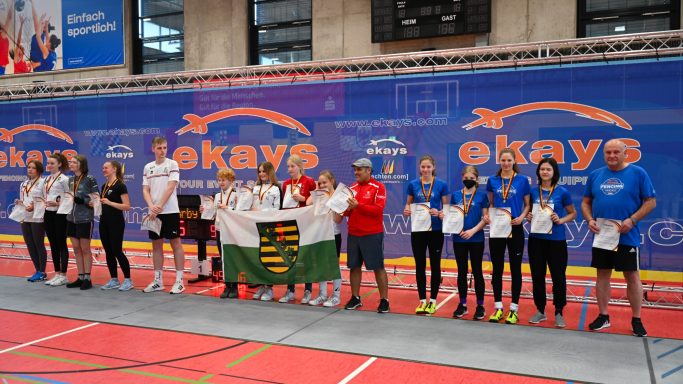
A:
366,233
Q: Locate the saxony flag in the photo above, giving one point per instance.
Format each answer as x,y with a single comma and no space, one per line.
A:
278,247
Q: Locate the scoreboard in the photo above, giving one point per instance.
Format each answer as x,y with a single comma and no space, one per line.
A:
415,19
191,224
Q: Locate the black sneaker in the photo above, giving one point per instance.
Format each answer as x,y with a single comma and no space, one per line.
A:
600,322
460,311
87,284
479,313
383,306
226,292
75,284
233,293
638,328
353,303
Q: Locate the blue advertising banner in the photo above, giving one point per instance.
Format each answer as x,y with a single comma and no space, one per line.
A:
460,119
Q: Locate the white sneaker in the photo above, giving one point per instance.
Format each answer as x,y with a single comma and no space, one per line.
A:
307,297
60,280
154,286
267,295
317,301
260,292
52,280
289,296
332,302
127,285
178,287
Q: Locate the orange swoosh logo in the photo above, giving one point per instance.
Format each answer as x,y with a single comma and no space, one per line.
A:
492,119
199,125
8,135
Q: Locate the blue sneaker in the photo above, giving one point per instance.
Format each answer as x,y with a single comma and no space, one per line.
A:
35,277
43,276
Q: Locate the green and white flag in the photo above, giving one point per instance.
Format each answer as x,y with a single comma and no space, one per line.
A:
278,247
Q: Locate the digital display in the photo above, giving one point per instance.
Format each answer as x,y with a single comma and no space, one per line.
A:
413,19
191,224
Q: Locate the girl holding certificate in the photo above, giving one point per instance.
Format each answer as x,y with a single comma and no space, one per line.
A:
327,183
426,193
32,228
552,207
56,186
266,198
474,204
509,197
79,221
296,190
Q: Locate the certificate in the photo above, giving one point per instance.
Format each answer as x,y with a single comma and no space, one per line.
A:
151,225
420,218
453,218
288,201
339,201
320,198
244,199
38,207
96,203
66,203
501,222
18,213
608,237
541,221
209,211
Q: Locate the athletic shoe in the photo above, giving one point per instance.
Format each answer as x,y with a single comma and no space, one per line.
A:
261,290
638,328
49,282
497,316
111,284
87,284
127,285
232,294
154,286
35,277
43,276
307,297
59,280
289,296
420,310
353,303
383,306
75,284
317,301
479,313
177,288
537,317
600,322
226,292
430,309
267,295
460,311
332,302
559,321
513,317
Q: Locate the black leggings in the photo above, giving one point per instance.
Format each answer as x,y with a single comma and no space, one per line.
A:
476,254
554,254
420,242
34,237
229,284
111,234
515,246
55,228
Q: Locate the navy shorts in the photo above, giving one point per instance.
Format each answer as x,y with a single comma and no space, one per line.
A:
170,227
625,259
365,249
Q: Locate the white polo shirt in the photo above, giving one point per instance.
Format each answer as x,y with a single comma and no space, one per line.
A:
157,177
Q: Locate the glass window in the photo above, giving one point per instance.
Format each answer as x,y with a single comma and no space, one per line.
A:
161,34
615,17
280,31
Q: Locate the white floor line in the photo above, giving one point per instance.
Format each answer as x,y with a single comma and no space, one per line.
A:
209,289
358,370
441,304
47,338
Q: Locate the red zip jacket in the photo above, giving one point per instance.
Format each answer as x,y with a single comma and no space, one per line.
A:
368,217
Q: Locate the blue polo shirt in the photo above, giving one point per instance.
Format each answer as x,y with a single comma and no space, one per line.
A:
473,217
561,198
518,189
618,195
439,190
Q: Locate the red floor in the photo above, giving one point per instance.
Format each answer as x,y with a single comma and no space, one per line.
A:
106,353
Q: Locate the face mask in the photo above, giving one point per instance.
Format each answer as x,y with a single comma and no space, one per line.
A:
469,183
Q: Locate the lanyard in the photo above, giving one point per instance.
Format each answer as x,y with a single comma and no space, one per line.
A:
107,187
427,195
28,189
467,204
262,193
540,194
506,190
223,202
77,183
48,184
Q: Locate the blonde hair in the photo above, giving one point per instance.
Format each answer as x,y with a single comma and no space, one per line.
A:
327,173
470,169
226,173
296,159
158,140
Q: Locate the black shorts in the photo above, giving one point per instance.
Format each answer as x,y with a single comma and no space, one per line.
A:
625,259
170,227
79,231
368,249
